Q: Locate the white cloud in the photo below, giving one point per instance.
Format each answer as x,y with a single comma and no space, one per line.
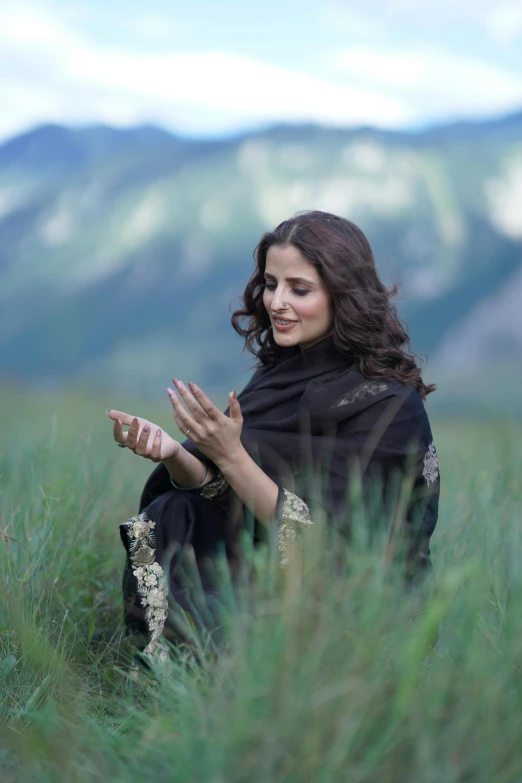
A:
503,22
156,27
51,73
375,19
433,83
226,82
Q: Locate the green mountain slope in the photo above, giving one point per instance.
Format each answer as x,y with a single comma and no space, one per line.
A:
121,251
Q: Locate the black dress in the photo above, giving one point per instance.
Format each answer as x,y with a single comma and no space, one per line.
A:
311,414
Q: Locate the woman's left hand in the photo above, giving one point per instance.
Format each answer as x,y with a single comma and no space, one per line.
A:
216,435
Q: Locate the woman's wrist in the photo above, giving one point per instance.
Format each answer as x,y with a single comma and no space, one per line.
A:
200,483
251,484
172,463
186,470
229,464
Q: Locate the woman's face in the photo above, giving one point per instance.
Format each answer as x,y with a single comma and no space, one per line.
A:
292,279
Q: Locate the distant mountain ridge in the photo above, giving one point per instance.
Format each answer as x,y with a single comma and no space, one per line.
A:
121,250
57,146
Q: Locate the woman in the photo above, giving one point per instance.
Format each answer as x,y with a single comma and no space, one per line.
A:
336,396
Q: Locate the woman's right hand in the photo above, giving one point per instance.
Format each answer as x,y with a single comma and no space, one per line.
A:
143,437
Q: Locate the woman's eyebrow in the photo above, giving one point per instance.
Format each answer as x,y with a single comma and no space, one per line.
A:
292,279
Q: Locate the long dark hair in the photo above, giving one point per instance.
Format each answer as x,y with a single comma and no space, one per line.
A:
366,322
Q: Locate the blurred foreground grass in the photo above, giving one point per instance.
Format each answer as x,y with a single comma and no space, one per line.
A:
326,678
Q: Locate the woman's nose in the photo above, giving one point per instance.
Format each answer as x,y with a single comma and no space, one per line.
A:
278,299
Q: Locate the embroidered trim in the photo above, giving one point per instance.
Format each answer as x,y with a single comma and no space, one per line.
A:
153,587
362,391
431,465
294,513
216,487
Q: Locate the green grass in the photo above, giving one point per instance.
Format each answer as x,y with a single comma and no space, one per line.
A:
325,679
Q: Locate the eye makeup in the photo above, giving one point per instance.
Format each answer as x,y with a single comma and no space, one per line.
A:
271,284
298,291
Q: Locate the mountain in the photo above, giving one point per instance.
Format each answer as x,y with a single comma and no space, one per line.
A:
52,148
121,251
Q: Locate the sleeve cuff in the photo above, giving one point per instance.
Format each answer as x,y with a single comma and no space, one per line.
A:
216,487
292,514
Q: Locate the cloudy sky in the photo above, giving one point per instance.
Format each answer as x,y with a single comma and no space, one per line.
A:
213,67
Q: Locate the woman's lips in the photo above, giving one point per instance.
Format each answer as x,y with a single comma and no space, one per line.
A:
284,327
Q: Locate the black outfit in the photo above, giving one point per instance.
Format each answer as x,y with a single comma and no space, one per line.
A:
311,415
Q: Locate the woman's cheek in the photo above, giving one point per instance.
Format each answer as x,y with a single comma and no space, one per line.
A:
308,308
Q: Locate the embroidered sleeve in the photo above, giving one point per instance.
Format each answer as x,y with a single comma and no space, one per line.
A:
151,580
216,487
430,470
291,516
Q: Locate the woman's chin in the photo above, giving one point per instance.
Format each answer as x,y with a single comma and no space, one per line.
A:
285,340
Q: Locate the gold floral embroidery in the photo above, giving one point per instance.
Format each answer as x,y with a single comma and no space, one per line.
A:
431,465
216,487
153,586
373,387
294,513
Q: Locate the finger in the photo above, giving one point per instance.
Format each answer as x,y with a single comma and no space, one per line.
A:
125,418
189,399
143,441
183,418
119,435
205,402
235,407
133,433
155,452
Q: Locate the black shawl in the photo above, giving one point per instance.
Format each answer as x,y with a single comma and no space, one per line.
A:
315,415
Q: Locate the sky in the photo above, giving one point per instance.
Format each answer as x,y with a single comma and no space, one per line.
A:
217,67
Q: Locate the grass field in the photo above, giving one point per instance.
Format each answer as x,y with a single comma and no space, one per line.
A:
326,679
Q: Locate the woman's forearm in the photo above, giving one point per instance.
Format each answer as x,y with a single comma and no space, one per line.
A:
187,470
251,484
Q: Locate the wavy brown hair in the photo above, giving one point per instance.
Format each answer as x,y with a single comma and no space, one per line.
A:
366,322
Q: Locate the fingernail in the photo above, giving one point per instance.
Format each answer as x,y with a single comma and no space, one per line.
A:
192,386
177,383
108,411
234,395
170,393
158,433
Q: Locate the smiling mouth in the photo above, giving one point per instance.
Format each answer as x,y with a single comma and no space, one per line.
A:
283,321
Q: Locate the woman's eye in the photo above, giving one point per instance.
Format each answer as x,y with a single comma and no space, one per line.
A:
298,291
